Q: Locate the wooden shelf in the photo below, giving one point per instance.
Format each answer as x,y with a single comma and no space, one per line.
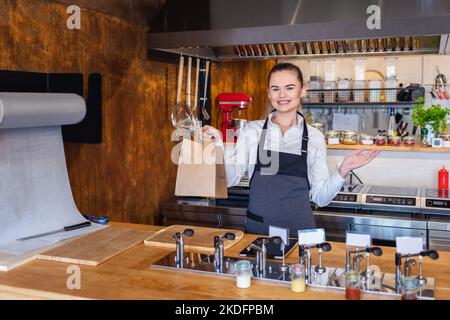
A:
387,148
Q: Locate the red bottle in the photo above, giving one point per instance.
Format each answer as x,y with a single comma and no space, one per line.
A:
443,179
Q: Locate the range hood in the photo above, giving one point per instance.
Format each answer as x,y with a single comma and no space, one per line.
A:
272,29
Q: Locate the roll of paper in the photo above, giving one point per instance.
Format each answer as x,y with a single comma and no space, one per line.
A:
25,110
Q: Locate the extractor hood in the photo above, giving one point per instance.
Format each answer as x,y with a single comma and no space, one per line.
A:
265,29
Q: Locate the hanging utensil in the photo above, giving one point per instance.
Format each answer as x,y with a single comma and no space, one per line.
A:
179,84
197,74
205,90
188,83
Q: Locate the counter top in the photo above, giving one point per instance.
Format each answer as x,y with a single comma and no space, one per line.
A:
129,276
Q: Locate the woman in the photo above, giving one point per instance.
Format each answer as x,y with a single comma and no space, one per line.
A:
286,160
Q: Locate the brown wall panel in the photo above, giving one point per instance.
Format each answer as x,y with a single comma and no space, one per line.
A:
128,175
249,77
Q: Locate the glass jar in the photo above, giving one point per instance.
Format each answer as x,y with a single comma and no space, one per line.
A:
366,139
409,288
352,285
243,274
350,138
446,139
332,137
394,141
319,126
409,141
298,283
380,140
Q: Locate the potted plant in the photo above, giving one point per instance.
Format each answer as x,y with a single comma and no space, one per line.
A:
434,116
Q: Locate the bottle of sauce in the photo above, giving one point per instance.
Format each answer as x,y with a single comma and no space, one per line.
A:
352,285
298,283
443,179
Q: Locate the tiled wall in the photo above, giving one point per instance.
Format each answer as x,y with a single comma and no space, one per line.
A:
403,169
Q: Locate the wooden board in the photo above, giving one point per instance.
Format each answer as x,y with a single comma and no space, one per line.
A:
201,241
96,247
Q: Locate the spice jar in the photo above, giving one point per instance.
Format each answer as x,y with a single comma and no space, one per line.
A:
380,140
394,141
332,137
366,139
350,138
409,141
352,285
243,274
446,140
409,288
298,283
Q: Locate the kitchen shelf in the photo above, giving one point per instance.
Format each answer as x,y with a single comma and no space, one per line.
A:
387,148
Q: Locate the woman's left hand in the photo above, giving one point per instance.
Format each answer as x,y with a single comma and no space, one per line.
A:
355,160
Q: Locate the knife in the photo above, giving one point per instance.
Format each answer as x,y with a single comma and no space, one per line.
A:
66,228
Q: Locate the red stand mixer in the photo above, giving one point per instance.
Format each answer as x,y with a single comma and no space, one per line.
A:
229,102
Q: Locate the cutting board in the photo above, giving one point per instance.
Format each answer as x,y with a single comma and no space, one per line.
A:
97,247
201,241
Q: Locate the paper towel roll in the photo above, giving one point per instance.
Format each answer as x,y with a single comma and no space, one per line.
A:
23,110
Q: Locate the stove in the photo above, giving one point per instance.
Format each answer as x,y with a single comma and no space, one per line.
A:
348,197
397,199
435,201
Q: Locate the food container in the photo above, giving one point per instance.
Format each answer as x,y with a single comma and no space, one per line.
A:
409,288
344,90
380,140
409,141
314,96
298,283
390,90
446,139
319,126
359,91
349,138
329,96
352,285
314,69
329,70
332,137
366,140
375,92
394,141
391,68
360,69
243,274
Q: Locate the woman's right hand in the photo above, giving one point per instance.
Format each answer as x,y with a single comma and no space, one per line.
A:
209,132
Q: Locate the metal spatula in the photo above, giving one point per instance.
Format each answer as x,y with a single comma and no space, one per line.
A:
205,90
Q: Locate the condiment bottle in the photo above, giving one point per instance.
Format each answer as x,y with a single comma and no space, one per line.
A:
243,274
443,179
352,285
298,283
409,288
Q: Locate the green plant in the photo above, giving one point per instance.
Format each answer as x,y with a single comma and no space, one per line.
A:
435,115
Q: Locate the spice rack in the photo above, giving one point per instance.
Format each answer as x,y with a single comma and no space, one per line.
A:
387,148
363,97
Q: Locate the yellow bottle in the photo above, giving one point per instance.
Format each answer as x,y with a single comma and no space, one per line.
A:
298,283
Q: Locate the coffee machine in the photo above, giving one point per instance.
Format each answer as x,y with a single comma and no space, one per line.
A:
230,103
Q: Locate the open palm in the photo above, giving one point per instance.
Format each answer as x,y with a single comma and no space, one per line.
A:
355,160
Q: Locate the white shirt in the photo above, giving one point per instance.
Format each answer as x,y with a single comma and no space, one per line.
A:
243,158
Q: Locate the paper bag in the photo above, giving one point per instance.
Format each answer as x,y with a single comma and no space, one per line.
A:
201,170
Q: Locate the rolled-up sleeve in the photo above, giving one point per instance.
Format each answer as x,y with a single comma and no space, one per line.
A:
323,186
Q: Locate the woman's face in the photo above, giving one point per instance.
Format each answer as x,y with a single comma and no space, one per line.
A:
285,91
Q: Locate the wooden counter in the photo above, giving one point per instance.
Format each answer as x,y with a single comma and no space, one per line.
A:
128,276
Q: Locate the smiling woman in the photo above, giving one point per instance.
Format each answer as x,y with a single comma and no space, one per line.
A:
286,160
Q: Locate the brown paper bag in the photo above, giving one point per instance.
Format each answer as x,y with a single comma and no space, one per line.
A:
201,170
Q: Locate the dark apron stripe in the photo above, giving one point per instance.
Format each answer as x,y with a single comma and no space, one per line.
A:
254,217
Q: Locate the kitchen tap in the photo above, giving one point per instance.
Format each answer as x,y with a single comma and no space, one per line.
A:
358,256
219,249
179,242
261,254
306,261
433,254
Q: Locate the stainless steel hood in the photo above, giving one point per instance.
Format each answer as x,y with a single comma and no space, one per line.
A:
261,29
